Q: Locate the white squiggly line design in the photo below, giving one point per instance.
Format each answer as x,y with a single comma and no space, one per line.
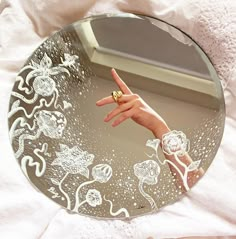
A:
57,106
20,86
42,150
64,193
22,124
122,210
17,133
28,160
23,98
27,67
41,103
13,127
22,138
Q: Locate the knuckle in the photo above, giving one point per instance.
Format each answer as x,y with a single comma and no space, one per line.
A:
121,107
125,115
138,102
136,96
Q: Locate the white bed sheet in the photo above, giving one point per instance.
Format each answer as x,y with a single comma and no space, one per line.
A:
208,210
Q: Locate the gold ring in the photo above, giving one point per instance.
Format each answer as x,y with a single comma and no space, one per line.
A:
116,95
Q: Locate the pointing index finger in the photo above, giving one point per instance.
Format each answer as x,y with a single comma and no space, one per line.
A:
123,87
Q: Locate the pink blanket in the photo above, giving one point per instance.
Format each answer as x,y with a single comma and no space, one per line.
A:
208,210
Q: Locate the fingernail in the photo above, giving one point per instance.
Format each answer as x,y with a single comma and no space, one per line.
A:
106,119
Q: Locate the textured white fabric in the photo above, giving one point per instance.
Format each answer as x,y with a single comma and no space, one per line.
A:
209,209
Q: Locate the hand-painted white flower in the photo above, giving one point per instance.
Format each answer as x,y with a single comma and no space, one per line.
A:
44,85
93,197
175,142
153,143
147,171
69,60
51,123
44,68
74,160
102,173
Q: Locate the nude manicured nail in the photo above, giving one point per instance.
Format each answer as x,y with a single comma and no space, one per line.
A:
106,119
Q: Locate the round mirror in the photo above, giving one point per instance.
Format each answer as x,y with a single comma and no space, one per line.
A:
116,143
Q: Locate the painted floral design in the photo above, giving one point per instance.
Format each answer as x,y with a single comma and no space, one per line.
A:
41,82
74,160
44,68
44,85
153,143
102,173
70,60
175,142
147,172
93,197
51,123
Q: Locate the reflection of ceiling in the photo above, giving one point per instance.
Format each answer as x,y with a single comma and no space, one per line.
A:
114,53
141,39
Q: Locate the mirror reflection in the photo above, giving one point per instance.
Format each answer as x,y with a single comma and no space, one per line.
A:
116,116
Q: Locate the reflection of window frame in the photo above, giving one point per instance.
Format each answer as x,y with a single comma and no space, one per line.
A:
203,92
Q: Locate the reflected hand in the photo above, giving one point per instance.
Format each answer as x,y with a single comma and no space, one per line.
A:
133,106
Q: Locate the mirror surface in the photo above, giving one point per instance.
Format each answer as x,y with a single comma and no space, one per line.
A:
83,163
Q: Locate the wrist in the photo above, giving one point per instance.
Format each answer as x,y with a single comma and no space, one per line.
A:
160,129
